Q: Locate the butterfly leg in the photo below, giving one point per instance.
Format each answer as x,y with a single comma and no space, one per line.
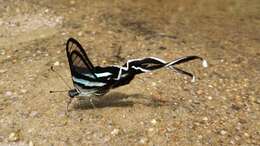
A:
68,104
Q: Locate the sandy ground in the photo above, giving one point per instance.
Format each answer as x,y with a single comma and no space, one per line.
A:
159,108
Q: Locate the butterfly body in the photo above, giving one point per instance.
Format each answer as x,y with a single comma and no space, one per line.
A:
104,79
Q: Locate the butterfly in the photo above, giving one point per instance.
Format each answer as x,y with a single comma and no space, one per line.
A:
90,80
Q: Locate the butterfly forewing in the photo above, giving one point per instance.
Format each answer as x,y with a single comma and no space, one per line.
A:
78,59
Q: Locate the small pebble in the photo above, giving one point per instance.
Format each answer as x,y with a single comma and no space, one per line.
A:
199,92
31,143
2,53
8,93
153,121
115,132
3,71
232,142
72,2
169,129
223,132
154,84
23,90
150,129
209,97
246,134
57,63
13,137
205,119
258,101
46,10
237,138
80,33
143,140
33,114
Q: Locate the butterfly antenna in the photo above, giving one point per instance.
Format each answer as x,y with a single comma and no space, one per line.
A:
52,69
58,91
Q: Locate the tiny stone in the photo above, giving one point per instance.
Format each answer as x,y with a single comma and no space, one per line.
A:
42,36
23,90
31,143
57,63
232,142
3,70
143,140
196,102
115,132
153,84
13,137
258,101
205,119
197,124
153,121
72,2
30,130
80,33
223,132
8,93
169,129
237,138
246,134
33,114
209,97
150,129
199,92
46,10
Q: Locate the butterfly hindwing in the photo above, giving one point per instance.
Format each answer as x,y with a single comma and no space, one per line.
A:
78,60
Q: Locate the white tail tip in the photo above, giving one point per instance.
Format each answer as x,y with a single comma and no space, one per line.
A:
204,63
193,79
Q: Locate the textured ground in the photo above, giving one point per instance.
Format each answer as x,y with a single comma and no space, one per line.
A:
160,108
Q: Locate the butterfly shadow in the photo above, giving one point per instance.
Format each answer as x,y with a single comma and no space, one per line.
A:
118,99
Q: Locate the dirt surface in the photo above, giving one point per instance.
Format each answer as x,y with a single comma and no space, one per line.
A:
159,108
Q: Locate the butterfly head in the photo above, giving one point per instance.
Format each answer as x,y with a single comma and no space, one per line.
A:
72,93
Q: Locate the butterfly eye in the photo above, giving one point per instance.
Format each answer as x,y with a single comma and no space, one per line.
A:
73,92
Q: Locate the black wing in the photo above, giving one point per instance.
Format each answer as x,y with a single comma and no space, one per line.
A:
78,59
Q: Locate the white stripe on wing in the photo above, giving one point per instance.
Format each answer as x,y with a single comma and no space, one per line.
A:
88,83
104,74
